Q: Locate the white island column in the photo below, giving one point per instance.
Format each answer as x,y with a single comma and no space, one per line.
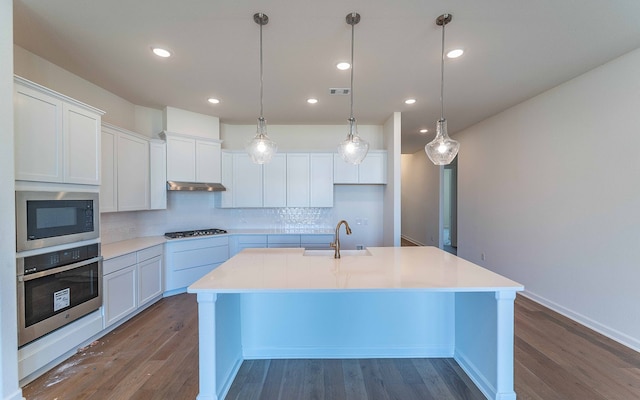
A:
207,345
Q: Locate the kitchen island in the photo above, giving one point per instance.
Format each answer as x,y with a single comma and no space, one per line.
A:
374,303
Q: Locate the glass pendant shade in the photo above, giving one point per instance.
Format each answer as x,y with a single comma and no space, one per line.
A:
261,148
353,149
442,149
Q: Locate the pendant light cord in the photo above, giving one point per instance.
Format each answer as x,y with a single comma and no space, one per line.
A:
261,81
352,36
442,75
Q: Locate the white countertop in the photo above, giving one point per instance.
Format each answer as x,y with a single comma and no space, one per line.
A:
387,268
117,249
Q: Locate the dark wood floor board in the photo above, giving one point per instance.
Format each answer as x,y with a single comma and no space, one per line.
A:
273,381
562,379
354,381
586,359
314,384
293,380
435,385
373,382
455,384
530,387
334,384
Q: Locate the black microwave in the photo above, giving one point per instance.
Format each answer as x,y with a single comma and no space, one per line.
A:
45,219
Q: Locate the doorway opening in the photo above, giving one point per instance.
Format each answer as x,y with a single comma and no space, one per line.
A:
449,207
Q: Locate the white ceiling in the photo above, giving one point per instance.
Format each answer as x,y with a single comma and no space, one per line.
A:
515,49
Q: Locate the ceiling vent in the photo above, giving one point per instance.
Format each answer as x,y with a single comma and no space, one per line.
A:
339,91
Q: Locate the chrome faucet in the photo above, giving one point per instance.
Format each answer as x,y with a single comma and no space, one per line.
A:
336,243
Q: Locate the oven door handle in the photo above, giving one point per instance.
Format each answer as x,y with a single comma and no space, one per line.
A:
24,278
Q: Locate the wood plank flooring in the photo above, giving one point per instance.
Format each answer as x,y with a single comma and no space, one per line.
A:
155,356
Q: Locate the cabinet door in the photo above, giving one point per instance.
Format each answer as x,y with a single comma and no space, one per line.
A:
108,185
344,172
275,181
157,176
149,280
297,180
38,136
133,173
81,138
247,182
181,159
321,180
119,294
373,169
226,197
207,162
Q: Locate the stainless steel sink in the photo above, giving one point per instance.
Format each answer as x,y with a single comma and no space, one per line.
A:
330,253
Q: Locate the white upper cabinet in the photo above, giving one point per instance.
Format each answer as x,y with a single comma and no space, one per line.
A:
309,180
321,180
288,180
125,168
275,181
372,170
247,182
208,161
57,138
298,180
192,159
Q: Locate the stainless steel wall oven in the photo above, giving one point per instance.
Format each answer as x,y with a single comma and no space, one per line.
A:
57,288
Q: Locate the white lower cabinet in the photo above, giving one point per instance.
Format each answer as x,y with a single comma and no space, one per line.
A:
150,282
191,259
120,294
131,282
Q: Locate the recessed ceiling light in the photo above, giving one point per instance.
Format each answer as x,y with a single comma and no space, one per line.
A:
343,66
213,100
160,52
424,130
312,101
455,53
410,101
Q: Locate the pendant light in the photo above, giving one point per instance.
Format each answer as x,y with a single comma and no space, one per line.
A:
261,148
442,150
353,149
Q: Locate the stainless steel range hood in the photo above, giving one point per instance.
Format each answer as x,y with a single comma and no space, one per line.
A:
195,186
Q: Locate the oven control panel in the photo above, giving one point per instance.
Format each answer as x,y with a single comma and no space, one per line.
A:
43,262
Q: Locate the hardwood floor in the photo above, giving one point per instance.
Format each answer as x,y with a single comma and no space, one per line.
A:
155,356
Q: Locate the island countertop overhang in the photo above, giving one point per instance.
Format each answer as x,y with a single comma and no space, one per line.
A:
288,270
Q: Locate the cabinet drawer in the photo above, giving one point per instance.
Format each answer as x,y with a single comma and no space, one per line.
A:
252,239
284,239
150,252
118,263
198,257
316,239
198,243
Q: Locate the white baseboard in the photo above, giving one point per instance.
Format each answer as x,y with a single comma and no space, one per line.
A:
612,334
347,352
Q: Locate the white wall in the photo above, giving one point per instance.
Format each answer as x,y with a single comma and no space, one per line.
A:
9,389
549,190
420,199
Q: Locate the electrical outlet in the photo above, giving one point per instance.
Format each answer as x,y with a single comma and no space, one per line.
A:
359,247
482,256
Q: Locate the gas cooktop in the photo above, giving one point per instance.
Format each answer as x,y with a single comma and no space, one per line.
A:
195,233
